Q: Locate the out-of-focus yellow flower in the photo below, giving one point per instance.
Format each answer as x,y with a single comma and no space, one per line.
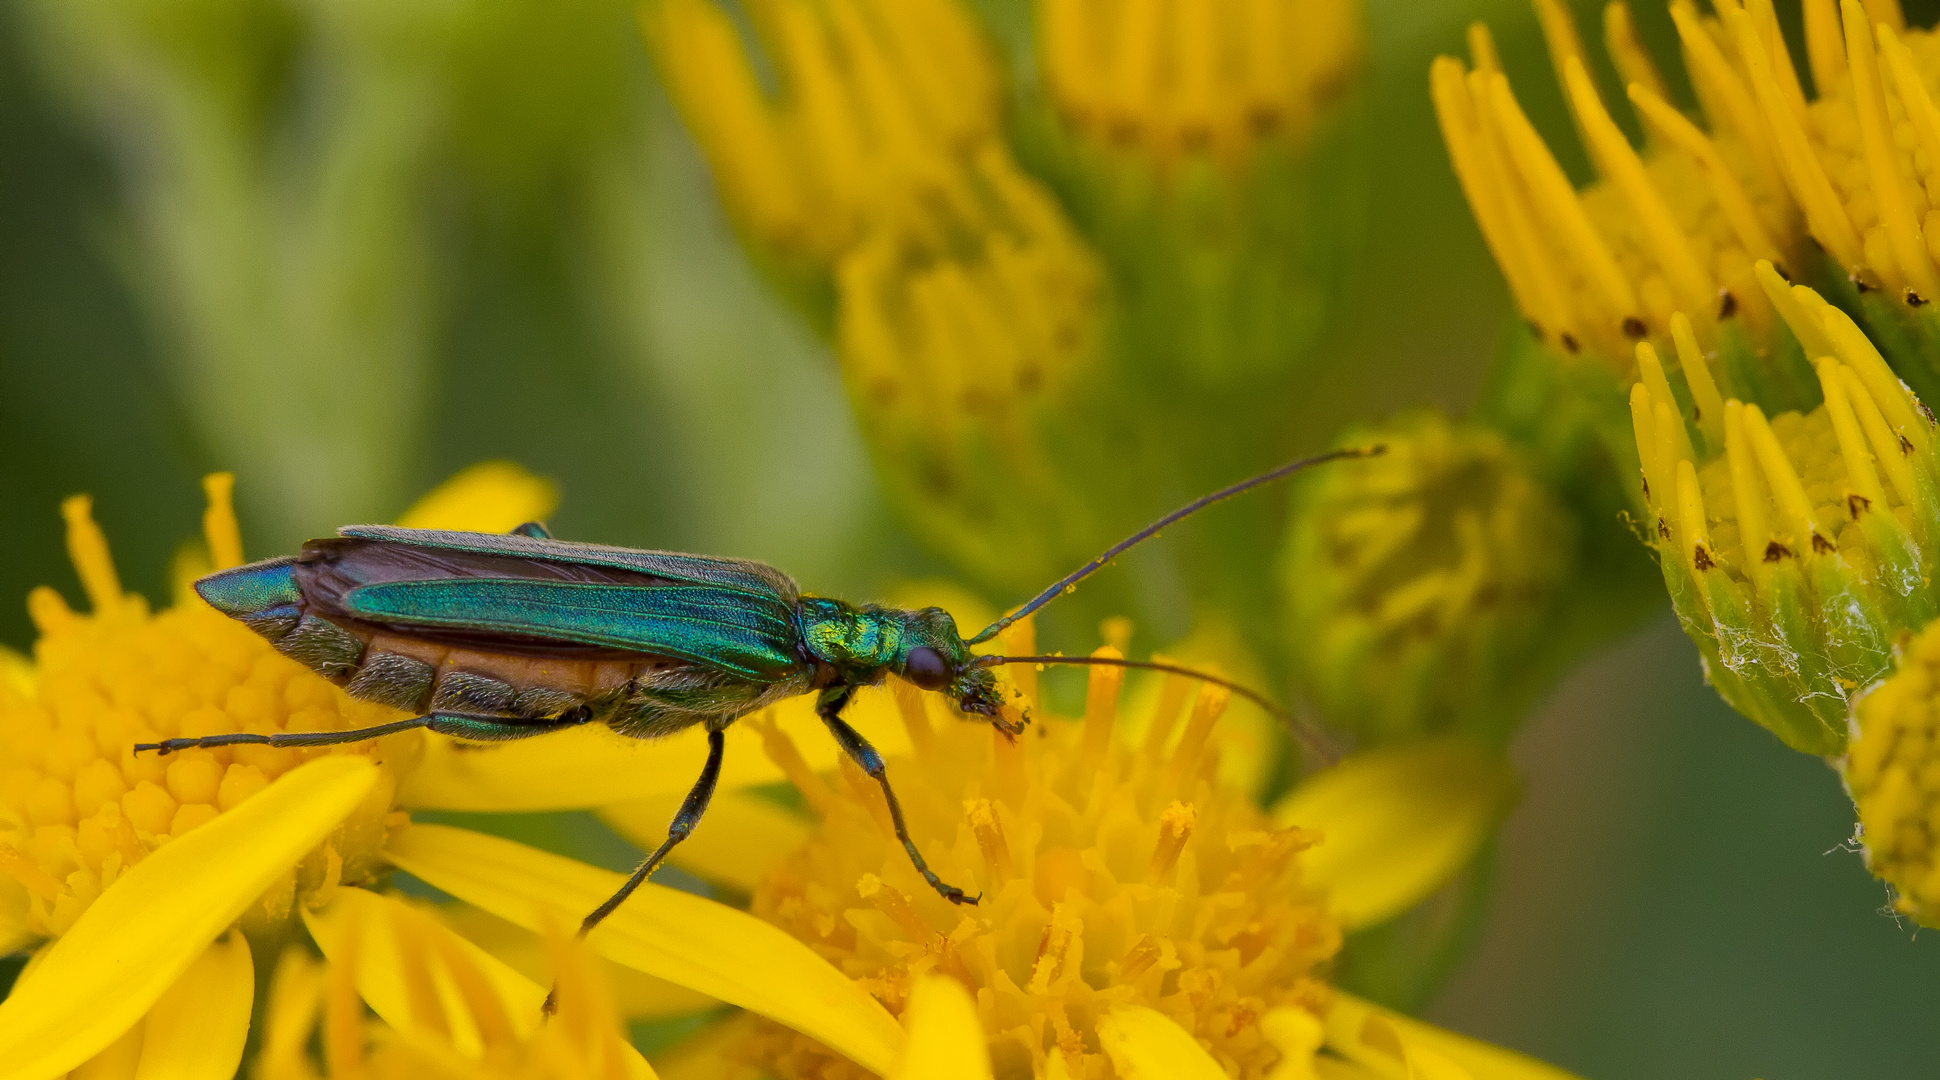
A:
1889,770
878,106
1172,81
1422,584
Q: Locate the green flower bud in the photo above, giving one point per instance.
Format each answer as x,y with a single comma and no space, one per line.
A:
1422,585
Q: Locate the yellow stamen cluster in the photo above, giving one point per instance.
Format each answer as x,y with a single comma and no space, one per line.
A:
77,807
1175,80
1110,876
1675,228
1795,547
876,104
1891,773
1418,582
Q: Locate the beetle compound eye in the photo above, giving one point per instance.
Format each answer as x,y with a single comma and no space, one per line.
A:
925,667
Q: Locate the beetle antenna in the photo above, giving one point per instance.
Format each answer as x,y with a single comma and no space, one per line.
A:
1311,738
1070,580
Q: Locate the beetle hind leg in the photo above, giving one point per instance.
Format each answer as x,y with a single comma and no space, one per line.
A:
475,728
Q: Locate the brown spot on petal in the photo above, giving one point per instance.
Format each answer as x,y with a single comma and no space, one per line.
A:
1857,504
1727,304
1821,545
1776,551
1700,558
1634,328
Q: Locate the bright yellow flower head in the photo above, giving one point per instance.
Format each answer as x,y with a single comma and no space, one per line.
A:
1110,876
1173,81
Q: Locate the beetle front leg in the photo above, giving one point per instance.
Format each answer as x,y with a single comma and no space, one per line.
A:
829,707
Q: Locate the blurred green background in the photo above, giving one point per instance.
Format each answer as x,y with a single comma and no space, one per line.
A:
1673,898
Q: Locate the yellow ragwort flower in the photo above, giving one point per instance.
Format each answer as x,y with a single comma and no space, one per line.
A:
1128,896
1173,80
1890,772
1132,905
1798,547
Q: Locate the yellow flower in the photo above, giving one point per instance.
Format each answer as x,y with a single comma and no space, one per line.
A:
1172,82
1128,896
1796,548
1889,771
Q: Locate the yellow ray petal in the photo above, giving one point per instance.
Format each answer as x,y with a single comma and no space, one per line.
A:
197,1029
721,952
1145,1044
491,496
946,1042
145,930
1349,1020
739,840
591,766
636,996
1397,823
14,933
390,940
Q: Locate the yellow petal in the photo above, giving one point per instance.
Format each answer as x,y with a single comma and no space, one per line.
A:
591,766
1364,1032
635,995
739,840
198,1028
1397,822
491,496
721,952
145,930
946,1041
392,947
1145,1044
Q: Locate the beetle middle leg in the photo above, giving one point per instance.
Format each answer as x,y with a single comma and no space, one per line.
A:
475,727
829,708
680,829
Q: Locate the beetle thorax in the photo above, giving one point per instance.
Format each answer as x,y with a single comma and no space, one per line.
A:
858,642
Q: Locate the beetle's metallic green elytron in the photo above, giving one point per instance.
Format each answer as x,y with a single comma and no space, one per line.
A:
493,637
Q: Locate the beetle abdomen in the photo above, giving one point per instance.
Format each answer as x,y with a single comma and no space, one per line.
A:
420,673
